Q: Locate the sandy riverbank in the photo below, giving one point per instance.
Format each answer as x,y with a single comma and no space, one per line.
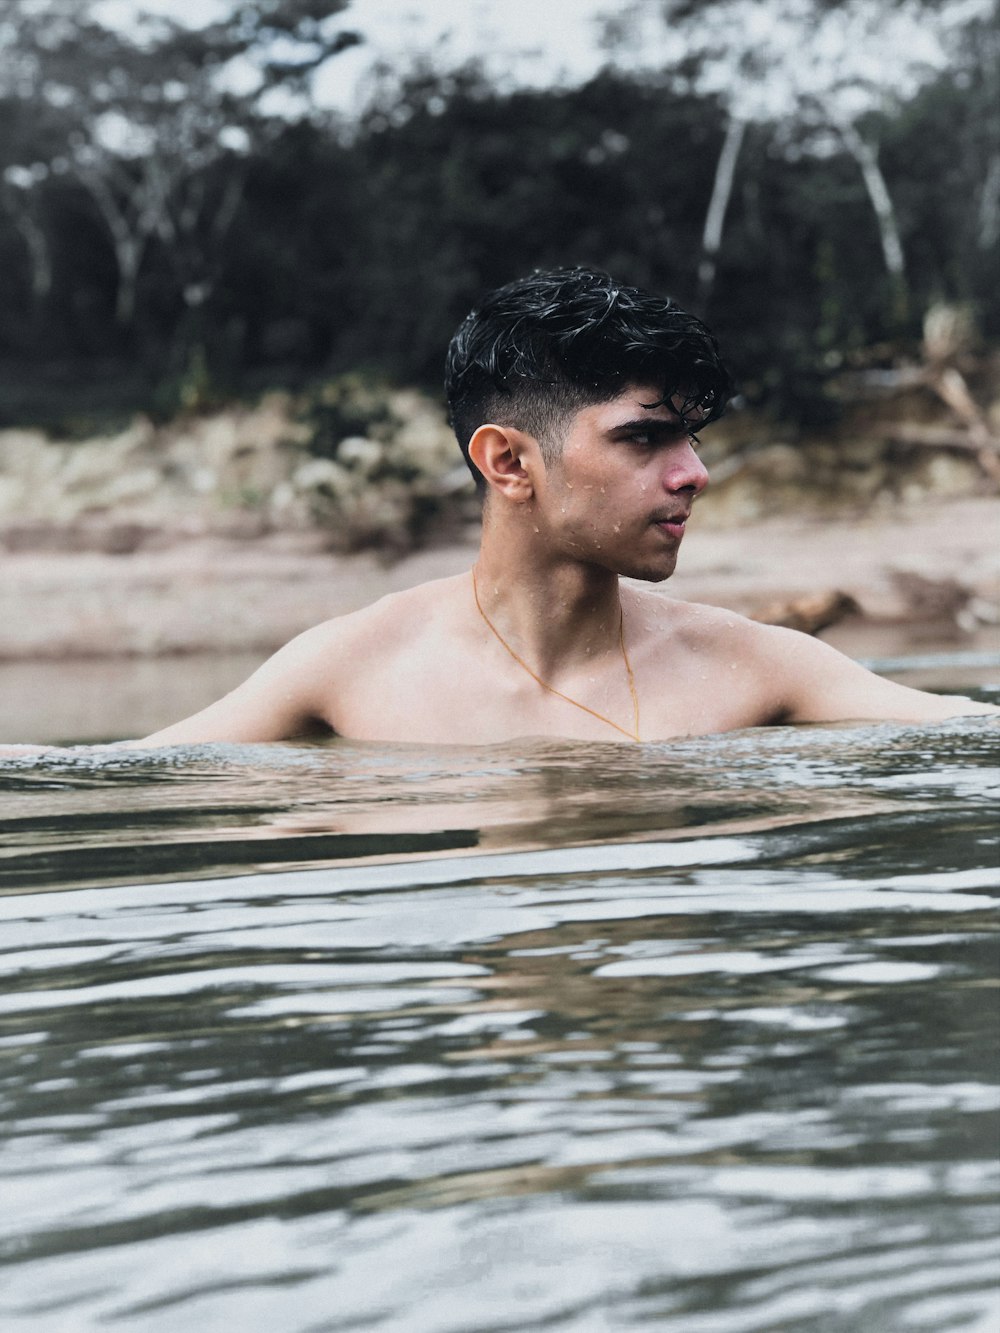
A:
935,563
95,646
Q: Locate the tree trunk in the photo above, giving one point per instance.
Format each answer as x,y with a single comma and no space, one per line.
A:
128,241
722,188
885,214
989,206
39,259
20,208
128,252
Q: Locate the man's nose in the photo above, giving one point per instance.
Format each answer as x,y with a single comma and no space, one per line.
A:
684,470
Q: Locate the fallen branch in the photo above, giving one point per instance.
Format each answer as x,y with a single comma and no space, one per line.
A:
986,449
809,614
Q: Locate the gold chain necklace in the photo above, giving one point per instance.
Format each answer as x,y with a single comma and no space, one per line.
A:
633,735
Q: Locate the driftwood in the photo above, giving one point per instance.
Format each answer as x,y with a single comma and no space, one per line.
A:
973,436
987,454
950,386
928,597
944,340
934,437
810,614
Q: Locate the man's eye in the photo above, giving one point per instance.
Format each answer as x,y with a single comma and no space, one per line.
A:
652,439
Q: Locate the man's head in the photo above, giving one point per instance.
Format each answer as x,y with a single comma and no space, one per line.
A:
536,351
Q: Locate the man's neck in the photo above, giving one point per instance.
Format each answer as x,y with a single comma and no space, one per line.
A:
556,612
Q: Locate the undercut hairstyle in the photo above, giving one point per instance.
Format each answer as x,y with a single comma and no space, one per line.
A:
536,351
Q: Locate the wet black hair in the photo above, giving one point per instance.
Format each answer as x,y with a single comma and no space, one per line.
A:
535,351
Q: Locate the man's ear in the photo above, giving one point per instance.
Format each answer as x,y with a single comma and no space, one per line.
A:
507,459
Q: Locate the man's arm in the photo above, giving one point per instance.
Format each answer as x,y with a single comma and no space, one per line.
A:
282,700
816,683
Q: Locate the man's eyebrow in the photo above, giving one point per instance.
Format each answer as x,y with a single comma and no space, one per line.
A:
659,426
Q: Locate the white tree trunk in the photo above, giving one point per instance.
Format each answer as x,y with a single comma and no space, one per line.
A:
37,246
989,206
127,245
722,188
881,201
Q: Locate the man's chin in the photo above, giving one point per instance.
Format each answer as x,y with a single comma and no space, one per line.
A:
651,578
628,563
650,572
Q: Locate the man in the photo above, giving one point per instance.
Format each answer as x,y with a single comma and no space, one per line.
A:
575,402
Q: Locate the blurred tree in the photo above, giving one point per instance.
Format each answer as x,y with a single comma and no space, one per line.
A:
267,242
154,124
466,188
943,151
817,65
21,201
297,277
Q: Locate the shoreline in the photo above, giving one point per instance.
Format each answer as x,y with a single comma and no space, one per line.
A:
926,569
95,646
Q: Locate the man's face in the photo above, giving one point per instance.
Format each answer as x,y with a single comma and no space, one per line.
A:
622,487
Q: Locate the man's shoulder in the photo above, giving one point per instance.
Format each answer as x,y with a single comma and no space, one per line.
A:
699,625
391,620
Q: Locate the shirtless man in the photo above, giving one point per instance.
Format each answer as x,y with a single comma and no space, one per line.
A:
575,402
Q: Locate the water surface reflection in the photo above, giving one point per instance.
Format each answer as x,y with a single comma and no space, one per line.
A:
696,1036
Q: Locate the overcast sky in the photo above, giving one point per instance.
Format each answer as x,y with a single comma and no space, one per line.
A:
849,57
531,41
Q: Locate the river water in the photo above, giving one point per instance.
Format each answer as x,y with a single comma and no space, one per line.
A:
547,1036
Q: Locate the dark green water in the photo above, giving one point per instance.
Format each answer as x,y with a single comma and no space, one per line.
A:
567,1037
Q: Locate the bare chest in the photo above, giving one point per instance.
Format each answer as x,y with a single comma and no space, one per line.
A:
465,698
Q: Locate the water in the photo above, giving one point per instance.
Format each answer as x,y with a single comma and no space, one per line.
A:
574,1037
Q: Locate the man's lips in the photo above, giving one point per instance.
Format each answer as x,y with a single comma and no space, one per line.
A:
673,524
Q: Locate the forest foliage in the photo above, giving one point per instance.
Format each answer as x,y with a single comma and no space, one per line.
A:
173,237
